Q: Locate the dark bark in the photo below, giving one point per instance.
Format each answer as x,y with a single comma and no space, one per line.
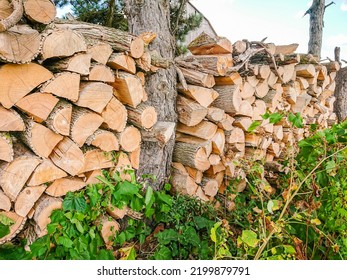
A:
340,106
110,12
154,15
316,12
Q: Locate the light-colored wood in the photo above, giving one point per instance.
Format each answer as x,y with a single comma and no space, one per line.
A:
123,62
226,123
117,213
91,177
17,80
204,96
272,99
134,158
236,135
247,90
259,109
205,44
206,144
64,85
198,78
218,142
6,9
62,43
129,139
96,159
253,140
100,52
243,122
78,63
195,174
183,183
214,159
38,105
305,70
261,89
245,109
286,49
228,98
128,89
41,11
45,172
94,96
104,140
5,202
10,120
43,210
209,186
289,73
109,229
60,118
101,73
115,115
6,147
40,139
61,187
204,129
239,47
160,133
27,198
123,166
192,155
231,79
264,72
144,62
199,194
190,112
68,156
143,116
215,114
83,124
18,225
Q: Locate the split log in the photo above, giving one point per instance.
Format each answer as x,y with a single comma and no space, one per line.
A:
183,183
78,63
243,122
134,158
286,49
207,145
145,62
64,85
20,44
192,155
229,98
83,124
100,52
305,70
41,11
117,213
143,116
18,225
68,156
119,40
60,118
209,186
43,210
230,79
18,80
61,187
128,89
62,43
13,175
101,73
205,44
226,123
239,47
195,174
123,166
115,115
199,194
218,142
104,140
38,105
96,159
236,135
121,61
205,130
215,114
45,172
214,159
161,133
10,120
289,73
190,112
94,96
39,138
129,139
91,177
5,202
245,109
198,78
109,229
247,90
27,198
204,96
262,89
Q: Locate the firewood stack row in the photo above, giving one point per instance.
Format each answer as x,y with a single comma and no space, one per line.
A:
70,96
226,91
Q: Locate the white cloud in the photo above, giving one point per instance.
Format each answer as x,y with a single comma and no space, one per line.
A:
338,40
344,6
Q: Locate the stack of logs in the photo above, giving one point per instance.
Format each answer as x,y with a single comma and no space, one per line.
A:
227,88
70,96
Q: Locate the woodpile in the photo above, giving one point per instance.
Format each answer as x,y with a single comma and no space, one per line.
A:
227,88
70,97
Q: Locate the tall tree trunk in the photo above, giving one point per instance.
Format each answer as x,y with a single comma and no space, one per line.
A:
110,12
340,106
154,15
316,12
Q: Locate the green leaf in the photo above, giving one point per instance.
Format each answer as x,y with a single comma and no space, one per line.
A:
40,246
296,120
254,126
164,198
164,253
213,232
331,168
6,221
273,118
190,236
289,249
149,197
270,204
250,238
94,195
64,241
74,203
166,236
4,230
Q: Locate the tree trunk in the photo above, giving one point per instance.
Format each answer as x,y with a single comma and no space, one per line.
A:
316,12
340,106
154,16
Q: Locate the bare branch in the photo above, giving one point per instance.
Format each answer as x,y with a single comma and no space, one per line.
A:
326,6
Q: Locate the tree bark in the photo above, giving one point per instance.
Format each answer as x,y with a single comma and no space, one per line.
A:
340,106
161,86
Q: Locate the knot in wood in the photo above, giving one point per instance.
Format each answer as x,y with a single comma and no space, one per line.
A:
163,86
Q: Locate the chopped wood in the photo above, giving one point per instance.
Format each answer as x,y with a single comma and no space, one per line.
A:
61,187
262,89
195,174
41,11
17,80
45,172
12,14
205,44
100,52
183,183
129,139
68,156
214,159
209,186
38,105
192,155
96,159
64,85
123,62
228,99
215,114
231,79
18,225
161,133
204,96
104,140
10,120
115,212
305,70
286,49
245,109
199,194
143,116
218,142
190,112
204,129
123,166
207,145
239,47
109,229
243,122
226,123
91,177
78,63
144,62
27,198
198,78
5,202
101,73
134,158
60,118
115,115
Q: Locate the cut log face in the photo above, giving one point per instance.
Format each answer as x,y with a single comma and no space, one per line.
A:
6,147
123,62
10,120
218,142
101,73
129,139
5,202
97,159
83,124
20,44
5,9
198,78
109,229
204,129
18,80
210,186
41,11
103,139
161,132
64,85
204,96
189,112
38,105
68,156
61,187
79,63
15,228
144,116
62,43
100,52
134,158
231,79
229,98
45,172
205,44
91,177
60,118
27,198
183,183
94,96
115,115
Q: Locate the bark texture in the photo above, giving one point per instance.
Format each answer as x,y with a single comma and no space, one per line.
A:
153,15
340,106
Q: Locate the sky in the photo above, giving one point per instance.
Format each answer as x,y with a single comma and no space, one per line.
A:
281,21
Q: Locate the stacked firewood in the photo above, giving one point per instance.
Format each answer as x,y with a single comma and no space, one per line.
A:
223,100
70,96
